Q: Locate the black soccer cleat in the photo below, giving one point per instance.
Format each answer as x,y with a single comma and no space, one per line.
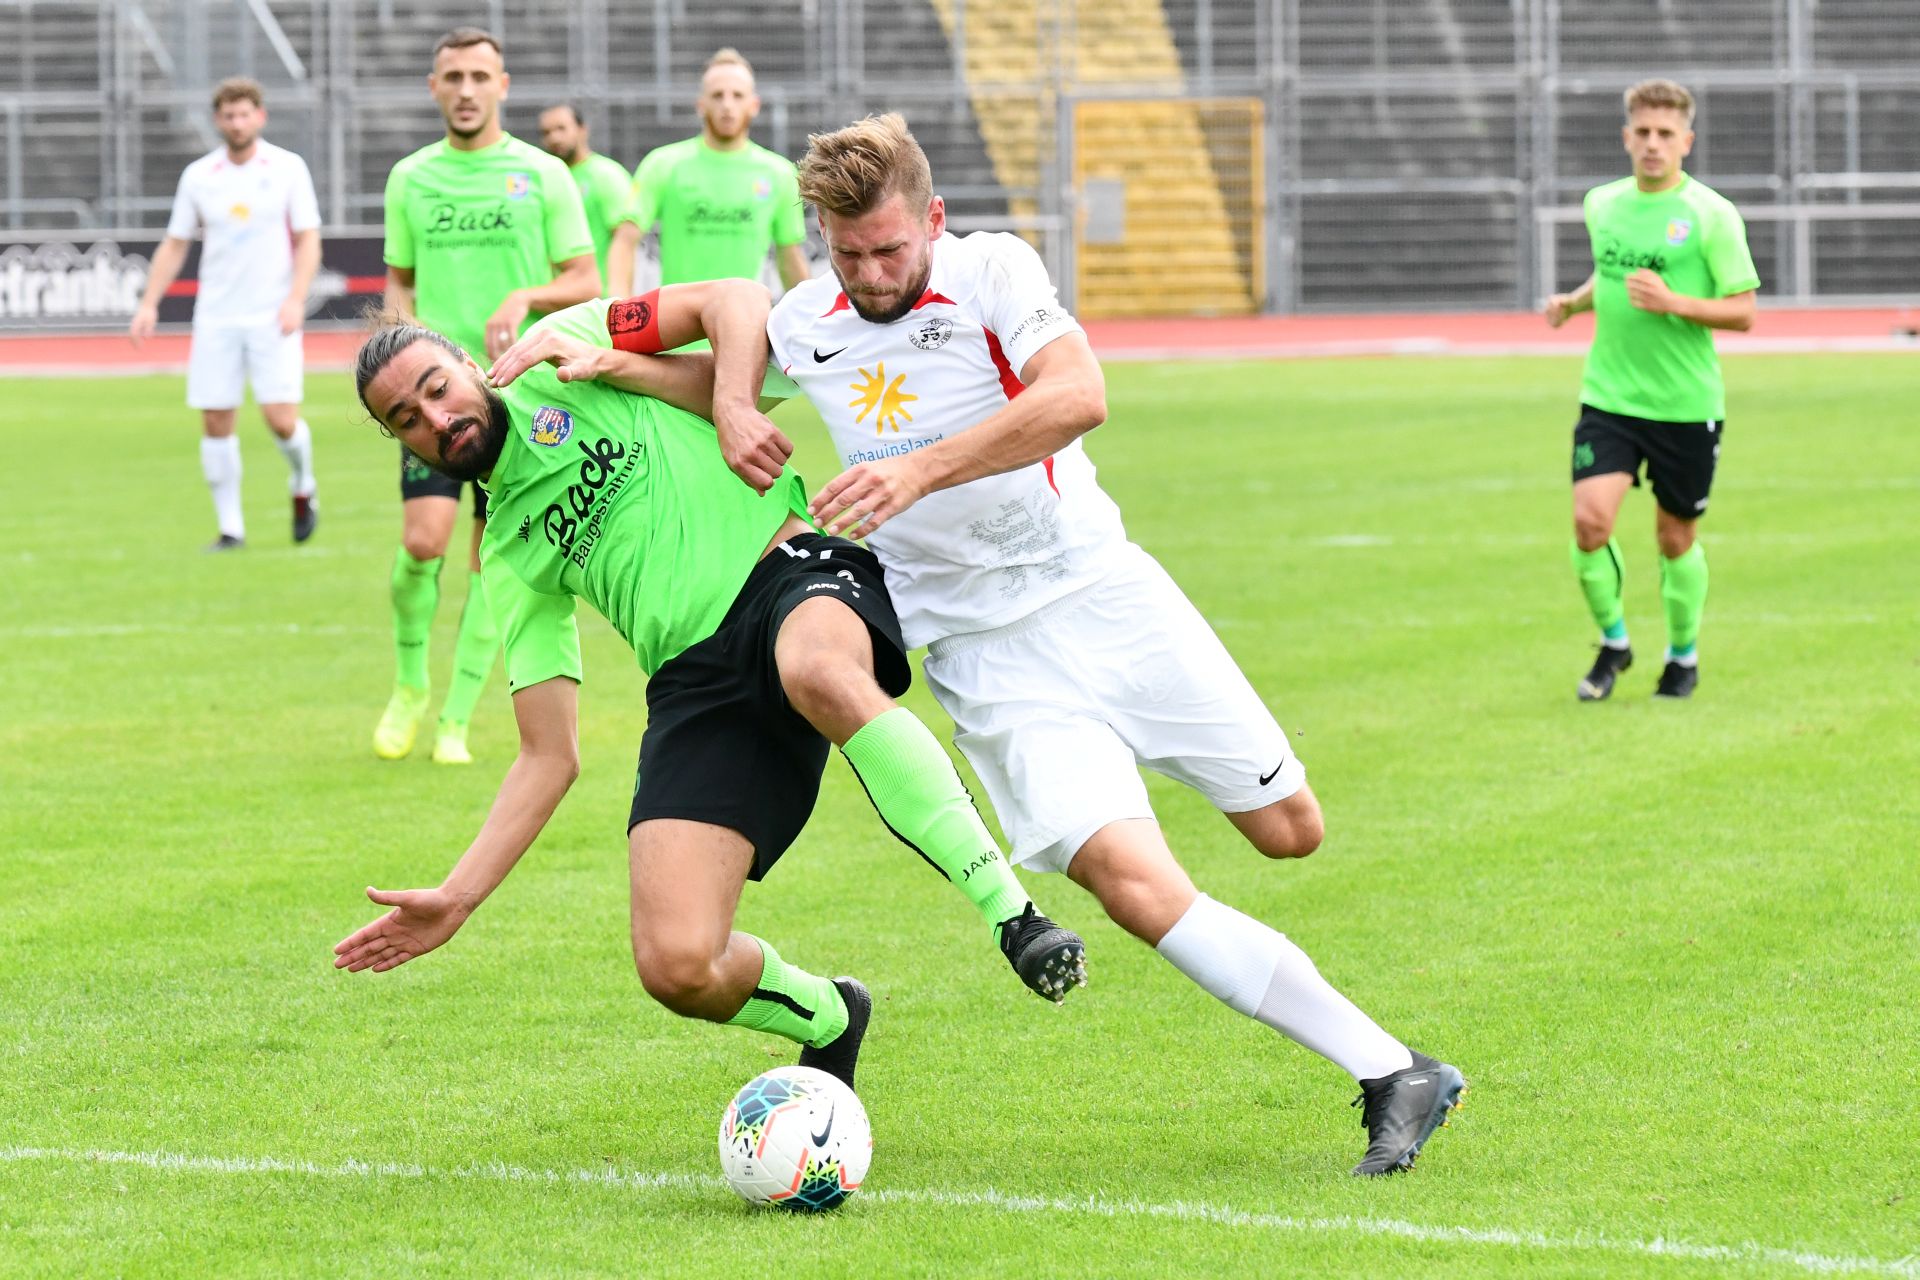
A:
1051,960
226,542
1598,683
839,1056
305,517
1402,1111
1678,681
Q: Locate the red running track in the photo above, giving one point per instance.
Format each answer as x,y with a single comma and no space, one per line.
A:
1230,337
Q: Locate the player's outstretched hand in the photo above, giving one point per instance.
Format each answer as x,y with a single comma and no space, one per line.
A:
755,449
421,920
866,495
573,360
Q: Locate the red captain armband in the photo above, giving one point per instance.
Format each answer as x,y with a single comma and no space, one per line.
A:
634,324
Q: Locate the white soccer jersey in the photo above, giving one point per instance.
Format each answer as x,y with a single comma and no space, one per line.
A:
985,553
249,213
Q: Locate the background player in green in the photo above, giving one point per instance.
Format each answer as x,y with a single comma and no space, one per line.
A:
1670,265
605,188
720,199
761,638
483,230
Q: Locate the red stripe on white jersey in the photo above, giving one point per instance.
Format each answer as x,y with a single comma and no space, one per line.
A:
1011,386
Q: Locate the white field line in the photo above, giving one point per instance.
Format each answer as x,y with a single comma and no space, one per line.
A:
1001,1202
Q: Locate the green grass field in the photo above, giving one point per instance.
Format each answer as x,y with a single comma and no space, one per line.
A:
1674,947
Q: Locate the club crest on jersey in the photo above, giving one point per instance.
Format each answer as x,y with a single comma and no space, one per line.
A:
1678,230
931,336
551,426
518,184
762,188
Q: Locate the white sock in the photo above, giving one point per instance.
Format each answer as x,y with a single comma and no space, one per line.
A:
1256,971
297,449
220,463
1691,658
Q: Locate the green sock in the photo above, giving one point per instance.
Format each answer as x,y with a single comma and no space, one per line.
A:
416,595
791,1002
473,654
921,799
1683,589
1602,575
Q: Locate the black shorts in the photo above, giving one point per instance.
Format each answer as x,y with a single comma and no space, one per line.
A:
723,745
418,480
1680,456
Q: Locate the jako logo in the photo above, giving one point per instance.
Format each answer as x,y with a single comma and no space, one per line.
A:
551,426
986,859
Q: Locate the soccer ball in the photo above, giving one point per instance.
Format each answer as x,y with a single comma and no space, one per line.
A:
797,1138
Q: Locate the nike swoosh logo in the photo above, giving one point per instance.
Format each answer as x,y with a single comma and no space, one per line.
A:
820,1138
822,359
1266,778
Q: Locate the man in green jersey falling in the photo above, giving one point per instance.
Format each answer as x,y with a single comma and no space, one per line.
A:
1670,266
483,231
762,639
720,200
605,188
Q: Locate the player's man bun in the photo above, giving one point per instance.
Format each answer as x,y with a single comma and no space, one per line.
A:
853,170
1659,94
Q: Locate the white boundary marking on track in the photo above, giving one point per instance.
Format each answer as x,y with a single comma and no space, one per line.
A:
999,1201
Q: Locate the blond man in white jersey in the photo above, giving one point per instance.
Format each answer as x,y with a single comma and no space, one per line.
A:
957,389
254,203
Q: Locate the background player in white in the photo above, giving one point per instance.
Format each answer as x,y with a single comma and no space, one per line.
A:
255,203
1065,654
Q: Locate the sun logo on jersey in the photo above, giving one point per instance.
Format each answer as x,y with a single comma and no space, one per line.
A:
240,211
885,400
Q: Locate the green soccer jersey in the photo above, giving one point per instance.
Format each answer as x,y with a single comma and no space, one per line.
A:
476,225
605,190
719,211
622,501
1660,366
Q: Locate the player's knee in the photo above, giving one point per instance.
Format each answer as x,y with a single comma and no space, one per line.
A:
1591,530
1293,831
422,544
679,977
824,683
1675,541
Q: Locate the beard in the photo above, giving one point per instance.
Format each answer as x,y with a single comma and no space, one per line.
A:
478,457
893,310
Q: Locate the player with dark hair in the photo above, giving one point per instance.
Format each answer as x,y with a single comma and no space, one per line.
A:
1671,265
762,640
604,184
483,232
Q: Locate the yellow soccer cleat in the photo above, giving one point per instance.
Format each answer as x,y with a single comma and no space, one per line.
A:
450,744
393,736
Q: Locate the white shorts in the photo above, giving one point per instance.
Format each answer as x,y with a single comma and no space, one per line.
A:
223,358
1056,712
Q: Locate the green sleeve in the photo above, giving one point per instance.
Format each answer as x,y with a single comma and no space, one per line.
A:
610,191
648,180
566,227
399,247
1727,254
537,630
790,216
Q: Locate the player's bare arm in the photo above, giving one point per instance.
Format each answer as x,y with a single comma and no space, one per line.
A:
683,381
398,295
167,261
423,919
1562,307
1647,291
792,261
621,251
1065,397
575,280
306,261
